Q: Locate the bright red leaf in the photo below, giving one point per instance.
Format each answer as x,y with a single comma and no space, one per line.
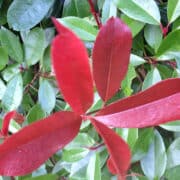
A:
26,150
119,151
154,106
111,57
72,70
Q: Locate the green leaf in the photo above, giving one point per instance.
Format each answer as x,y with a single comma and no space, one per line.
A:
34,46
170,46
78,148
172,126
94,169
44,177
35,113
46,60
154,163
144,11
73,155
151,78
173,10
135,26
2,89
10,71
126,83
3,58
12,44
46,96
173,154
173,173
23,15
81,140
78,8
109,9
142,144
136,60
13,94
153,36
81,27
129,135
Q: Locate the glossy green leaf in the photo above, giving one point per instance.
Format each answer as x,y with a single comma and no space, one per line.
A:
46,96
44,177
170,46
173,173
173,10
142,144
129,135
141,10
10,71
73,155
13,94
136,60
23,15
109,9
94,169
173,154
78,8
3,58
153,36
35,113
151,78
126,83
134,25
34,45
80,27
154,163
12,44
172,126
2,89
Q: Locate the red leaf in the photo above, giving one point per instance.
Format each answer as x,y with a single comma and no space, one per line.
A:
119,151
72,70
156,105
111,57
6,121
26,150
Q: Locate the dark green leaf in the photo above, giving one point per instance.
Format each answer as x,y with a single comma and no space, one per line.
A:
3,58
12,44
46,96
154,163
13,94
173,154
78,8
94,169
170,46
151,78
81,27
142,144
144,11
23,15
173,10
35,113
34,46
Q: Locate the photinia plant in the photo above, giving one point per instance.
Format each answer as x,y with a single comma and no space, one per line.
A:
26,150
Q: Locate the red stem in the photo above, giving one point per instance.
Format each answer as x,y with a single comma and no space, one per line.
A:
95,14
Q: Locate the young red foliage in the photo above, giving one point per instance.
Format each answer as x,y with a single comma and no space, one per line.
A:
72,69
26,150
156,105
111,57
120,154
29,148
156,92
